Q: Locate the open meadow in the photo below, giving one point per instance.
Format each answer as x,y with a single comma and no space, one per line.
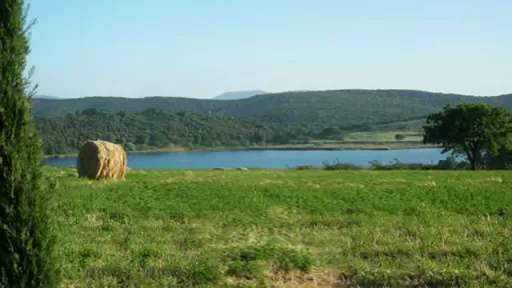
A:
382,136
165,228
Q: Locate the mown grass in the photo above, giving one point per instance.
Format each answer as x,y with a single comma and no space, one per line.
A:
162,228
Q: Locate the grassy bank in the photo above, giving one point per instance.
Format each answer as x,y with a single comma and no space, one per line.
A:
164,228
392,145
387,136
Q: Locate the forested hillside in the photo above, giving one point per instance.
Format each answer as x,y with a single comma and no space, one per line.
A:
155,129
313,110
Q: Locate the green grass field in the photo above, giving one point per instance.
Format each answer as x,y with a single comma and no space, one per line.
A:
376,136
410,125
163,228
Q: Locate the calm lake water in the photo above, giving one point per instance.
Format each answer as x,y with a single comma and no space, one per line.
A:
267,158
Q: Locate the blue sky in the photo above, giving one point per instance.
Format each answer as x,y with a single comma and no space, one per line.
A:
203,48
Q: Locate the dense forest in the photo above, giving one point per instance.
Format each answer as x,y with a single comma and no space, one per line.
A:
347,109
153,129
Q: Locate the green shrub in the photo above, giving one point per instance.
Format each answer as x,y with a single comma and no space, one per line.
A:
399,137
337,165
26,249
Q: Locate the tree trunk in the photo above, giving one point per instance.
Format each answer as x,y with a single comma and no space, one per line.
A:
477,159
473,164
472,159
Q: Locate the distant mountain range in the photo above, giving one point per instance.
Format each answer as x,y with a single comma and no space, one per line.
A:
308,109
235,95
45,97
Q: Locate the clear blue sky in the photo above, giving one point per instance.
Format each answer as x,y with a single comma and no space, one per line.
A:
202,48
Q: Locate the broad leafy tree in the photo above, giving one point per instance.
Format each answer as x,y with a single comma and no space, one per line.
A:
501,161
26,244
470,129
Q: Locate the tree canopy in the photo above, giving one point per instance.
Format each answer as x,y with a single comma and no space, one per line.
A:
157,129
470,129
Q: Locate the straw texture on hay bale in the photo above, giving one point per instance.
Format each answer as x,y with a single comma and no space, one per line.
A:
101,160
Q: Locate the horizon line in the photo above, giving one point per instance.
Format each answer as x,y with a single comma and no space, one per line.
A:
53,97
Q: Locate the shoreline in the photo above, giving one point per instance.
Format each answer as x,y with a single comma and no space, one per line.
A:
383,146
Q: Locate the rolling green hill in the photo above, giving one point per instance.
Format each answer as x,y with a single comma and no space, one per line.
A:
311,109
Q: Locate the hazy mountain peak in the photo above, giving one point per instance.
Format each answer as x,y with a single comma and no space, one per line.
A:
233,95
45,97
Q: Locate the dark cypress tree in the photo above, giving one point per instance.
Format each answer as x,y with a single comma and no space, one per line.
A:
26,240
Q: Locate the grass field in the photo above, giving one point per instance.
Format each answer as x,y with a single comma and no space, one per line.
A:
374,138
162,228
381,136
410,125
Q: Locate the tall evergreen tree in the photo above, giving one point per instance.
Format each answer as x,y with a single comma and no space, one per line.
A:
26,241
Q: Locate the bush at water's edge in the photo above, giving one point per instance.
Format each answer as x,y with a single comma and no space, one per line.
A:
450,163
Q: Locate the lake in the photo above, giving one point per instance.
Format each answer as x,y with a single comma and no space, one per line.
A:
278,159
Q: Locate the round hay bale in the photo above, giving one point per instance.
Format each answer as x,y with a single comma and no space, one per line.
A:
101,160
242,169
